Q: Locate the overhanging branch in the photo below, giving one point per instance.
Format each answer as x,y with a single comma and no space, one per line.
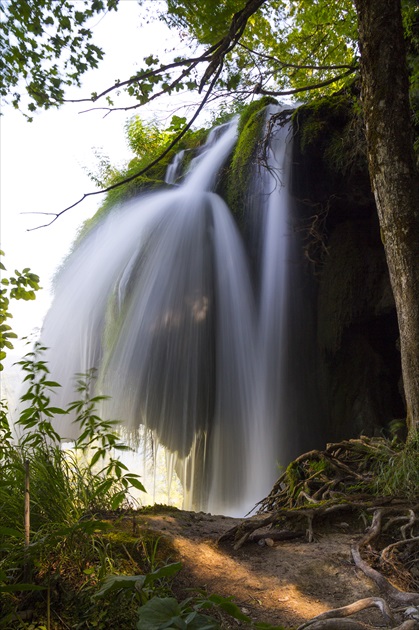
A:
305,88
214,55
131,178
283,64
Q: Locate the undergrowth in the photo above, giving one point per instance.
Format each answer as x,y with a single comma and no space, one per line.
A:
396,469
66,558
61,555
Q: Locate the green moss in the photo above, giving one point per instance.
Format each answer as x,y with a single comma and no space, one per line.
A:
293,476
254,108
245,154
333,128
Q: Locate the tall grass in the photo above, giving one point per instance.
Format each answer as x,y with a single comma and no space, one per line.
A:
396,469
68,489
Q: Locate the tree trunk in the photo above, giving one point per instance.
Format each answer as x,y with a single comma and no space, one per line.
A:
393,172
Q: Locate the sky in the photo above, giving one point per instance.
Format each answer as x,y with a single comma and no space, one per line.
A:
42,164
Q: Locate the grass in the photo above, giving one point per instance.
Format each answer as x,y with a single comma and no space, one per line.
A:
68,553
396,469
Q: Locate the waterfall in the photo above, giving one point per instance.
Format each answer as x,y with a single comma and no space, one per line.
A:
158,297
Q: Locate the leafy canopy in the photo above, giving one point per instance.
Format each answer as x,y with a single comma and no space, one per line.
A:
46,46
235,49
260,44
285,46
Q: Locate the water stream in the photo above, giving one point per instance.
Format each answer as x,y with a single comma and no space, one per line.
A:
159,298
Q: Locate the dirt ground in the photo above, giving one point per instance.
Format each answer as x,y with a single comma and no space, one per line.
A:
284,582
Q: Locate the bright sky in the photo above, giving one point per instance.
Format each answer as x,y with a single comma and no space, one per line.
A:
42,162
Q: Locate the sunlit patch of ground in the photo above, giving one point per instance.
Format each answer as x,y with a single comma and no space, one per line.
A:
285,584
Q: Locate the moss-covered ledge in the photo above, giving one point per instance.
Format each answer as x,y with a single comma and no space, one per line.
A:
245,154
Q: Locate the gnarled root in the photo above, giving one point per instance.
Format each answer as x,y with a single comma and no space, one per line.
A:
351,609
400,598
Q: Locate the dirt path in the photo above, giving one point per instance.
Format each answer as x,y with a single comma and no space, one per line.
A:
287,583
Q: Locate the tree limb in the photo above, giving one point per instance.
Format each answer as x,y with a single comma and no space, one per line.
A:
297,66
306,88
191,63
215,55
126,180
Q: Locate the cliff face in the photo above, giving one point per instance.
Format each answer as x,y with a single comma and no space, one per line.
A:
358,361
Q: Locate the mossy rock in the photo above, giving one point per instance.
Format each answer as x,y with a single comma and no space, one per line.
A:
333,128
245,154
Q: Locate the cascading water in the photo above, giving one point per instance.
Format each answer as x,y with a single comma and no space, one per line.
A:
158,298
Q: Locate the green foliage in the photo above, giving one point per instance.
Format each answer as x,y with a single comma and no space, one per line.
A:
145,587
21,286
147,141
396,469
333,126
166,612
284,46
46,45
67,489
159,613
209,26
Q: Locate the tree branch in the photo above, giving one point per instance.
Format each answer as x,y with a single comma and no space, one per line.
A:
295,65
227,43
191,63
126,180
167,90
305,88
215,55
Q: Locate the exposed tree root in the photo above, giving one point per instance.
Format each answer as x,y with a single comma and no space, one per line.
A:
398,597
351,609
321,484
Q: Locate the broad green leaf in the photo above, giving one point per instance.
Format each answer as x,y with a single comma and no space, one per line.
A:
117,500
158,613
169,570
202,622
136,483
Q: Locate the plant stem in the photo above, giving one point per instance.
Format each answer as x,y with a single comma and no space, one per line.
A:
27,519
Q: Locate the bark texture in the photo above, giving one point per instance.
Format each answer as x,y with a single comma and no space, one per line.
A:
393,171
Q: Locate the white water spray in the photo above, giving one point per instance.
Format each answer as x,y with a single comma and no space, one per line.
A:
158,298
